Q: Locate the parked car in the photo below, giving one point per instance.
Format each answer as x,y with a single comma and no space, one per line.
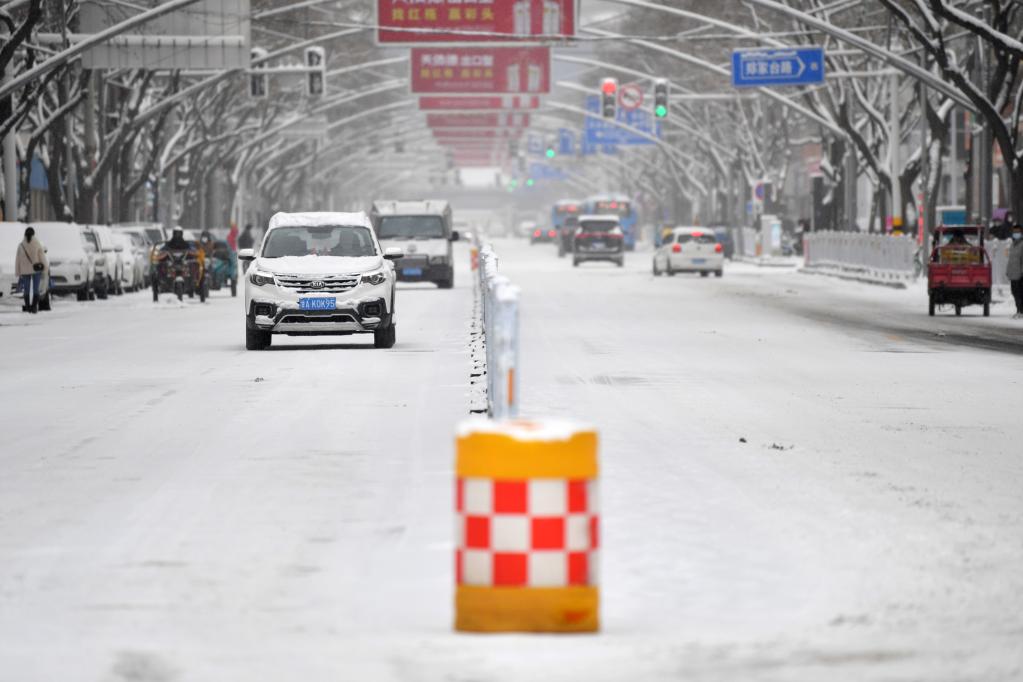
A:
105,259
11,234
132,257
598,237
144,237
72,261
317,274
690,249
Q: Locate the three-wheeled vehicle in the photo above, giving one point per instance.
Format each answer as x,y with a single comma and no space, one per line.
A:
959,273
222,265
179,271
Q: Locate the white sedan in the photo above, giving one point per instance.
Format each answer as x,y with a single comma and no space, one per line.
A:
690,249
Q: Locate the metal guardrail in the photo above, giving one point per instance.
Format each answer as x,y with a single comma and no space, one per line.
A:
501,336
873,257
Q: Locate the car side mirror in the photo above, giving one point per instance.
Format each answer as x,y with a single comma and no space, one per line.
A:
246,254
455,236
393,253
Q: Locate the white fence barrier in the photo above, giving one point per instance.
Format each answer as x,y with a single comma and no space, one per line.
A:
872,257
501,336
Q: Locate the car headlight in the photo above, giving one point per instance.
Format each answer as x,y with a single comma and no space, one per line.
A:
374,278
261,278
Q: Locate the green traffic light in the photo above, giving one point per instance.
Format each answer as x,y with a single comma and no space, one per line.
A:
550,153
529,182
660,111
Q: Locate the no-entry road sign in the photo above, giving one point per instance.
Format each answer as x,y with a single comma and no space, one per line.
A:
765,68
480,70
473,21
630,96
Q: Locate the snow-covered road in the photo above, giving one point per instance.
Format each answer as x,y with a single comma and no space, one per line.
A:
803,479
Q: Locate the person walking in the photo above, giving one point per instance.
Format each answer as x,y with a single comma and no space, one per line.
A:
1014,268
29,264
245,239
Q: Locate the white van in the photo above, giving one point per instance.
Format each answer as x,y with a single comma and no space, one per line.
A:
422,230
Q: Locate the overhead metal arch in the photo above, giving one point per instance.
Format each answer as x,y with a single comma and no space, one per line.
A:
894,60
721,71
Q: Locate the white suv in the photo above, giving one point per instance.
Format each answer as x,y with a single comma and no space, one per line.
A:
319,274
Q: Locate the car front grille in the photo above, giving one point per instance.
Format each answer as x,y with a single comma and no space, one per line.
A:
312,284
315,319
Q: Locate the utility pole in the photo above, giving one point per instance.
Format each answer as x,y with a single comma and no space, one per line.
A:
850,176
894,142
926,218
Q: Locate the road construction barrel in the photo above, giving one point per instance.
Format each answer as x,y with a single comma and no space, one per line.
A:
527,527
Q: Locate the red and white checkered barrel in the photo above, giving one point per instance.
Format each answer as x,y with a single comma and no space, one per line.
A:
527,535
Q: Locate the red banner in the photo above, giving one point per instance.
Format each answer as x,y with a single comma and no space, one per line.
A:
494,120
476,133
508,102
480,70
473,21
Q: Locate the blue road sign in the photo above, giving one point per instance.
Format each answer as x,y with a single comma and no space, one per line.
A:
542,171
766,68
600,133
566,142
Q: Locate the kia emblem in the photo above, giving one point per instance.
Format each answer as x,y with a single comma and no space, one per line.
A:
316,284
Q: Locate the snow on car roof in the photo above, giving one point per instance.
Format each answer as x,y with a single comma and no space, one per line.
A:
319,218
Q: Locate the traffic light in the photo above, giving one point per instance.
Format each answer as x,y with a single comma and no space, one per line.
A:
661,98
257,81
529,182
315,59
609,97
550,150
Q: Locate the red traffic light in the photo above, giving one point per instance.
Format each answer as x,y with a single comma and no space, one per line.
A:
609,86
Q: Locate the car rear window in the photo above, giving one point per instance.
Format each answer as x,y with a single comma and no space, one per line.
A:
697,238
598,225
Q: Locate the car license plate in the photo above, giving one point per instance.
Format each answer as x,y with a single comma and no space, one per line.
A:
412,272
598,245
699,261
317,303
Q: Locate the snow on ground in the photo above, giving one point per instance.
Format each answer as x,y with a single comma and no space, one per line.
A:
174,508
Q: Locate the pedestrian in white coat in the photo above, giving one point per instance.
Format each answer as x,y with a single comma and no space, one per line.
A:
1014,268
29,264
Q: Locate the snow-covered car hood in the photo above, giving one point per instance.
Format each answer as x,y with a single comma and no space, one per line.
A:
319,265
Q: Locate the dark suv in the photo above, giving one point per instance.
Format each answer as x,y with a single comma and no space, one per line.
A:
598,237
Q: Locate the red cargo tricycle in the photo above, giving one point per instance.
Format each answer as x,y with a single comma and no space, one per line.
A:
960,269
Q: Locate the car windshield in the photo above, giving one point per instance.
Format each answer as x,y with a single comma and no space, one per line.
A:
599,225
319,240
155,234
64,238
411,227
91,238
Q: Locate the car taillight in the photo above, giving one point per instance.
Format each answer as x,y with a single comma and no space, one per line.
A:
676,248
718,248
552,233
537,233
